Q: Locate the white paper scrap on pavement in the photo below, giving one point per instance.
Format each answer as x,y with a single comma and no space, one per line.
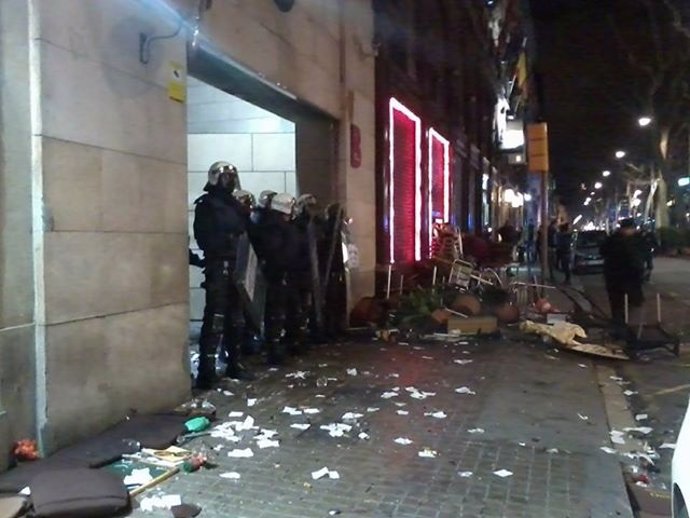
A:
350,416
465,474
389,394
248,424
394,375
630,392
503,473
239,453
332,474
427,453
463,362
336,429
160,502
616,378
316,475
363,435
403,440
298,375
582,365
402,412
232,475
235,414
440,414
227,393
608,450
26,491
311,410
476,430
352,372
291,411
645,430
617,437
251,401
372,409
465,390
641,417
552,450
300,426
267,443
583,417
667,446
138,477
400,404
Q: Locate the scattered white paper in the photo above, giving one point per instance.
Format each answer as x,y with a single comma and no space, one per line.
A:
138,477
617,437
372,409
300,426
352,372
320,396
336,429
645,430
239,453
363,435
465,474
26,491
316,475
248,424
667,446
394,375
389,394
322,365
334,475
582,365
291,411
463,362
641,417
608,450
251,401
227,393
503,473
401,404
552,450
351,416
218,447
311,410
476,430
232,475
267,443
583,417
440,414
616,378
298,375
151,503
235,414
465,390
403,440
427,453
402,412
428,357
630,392
419,394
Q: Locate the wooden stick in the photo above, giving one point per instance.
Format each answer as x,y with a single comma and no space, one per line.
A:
388,287
160,478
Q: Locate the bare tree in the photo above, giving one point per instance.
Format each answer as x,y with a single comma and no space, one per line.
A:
654,37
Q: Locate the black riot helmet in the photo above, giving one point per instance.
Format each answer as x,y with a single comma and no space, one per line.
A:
223,175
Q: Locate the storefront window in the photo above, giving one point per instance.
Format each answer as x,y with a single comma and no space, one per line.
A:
439,180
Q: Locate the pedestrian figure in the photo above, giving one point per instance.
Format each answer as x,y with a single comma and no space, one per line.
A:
219,223
552,230
564,241
623,271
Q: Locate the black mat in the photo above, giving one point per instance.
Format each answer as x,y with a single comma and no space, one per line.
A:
151,431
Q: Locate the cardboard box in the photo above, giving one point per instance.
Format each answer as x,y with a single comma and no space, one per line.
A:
473,325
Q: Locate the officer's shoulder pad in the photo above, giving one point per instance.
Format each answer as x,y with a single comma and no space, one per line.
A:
201,199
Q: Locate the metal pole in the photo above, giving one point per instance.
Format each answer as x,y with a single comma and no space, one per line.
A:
544,225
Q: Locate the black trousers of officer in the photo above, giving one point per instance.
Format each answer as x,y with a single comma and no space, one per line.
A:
223,322
298,308
274,319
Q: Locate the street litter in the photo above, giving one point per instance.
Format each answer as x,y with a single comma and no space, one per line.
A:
402,412
251,401
235,414
227,393
152,503
428,358
465,390
311,410
372,409
617,437
582,365
403,440
667,446
232,475
419,394
350,416
394,375
608,450
503,473
641,417
552,450
428,453
363,435
645,430
297,375
389,394
239,453
438,415
476,430
352,372
138,477
225,431
565,334
266,434
316,475
583,417
336,429
267,443
300,426
630,392
616,378
291,411
401,404
462,362
465,474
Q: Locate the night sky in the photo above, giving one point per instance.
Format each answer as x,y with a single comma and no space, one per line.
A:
585,83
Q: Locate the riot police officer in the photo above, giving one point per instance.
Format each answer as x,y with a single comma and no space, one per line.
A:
219,222
275,243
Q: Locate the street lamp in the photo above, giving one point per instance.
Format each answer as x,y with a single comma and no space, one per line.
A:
606,173
620,154
598,185
644,121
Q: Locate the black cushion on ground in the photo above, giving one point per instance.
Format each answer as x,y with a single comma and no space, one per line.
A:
156,431
79,492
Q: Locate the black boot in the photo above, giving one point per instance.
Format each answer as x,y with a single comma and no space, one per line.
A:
206,377
235,370
275,353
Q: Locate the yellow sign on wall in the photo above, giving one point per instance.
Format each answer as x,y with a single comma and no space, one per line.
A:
177,82
538,147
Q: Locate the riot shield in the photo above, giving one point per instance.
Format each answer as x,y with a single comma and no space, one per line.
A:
250,282
315,272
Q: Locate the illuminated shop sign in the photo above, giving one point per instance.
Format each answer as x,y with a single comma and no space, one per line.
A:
439,180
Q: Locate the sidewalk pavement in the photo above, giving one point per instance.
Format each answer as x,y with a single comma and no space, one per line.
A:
540,412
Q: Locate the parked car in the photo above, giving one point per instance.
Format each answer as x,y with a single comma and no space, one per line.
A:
586,254
680,470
